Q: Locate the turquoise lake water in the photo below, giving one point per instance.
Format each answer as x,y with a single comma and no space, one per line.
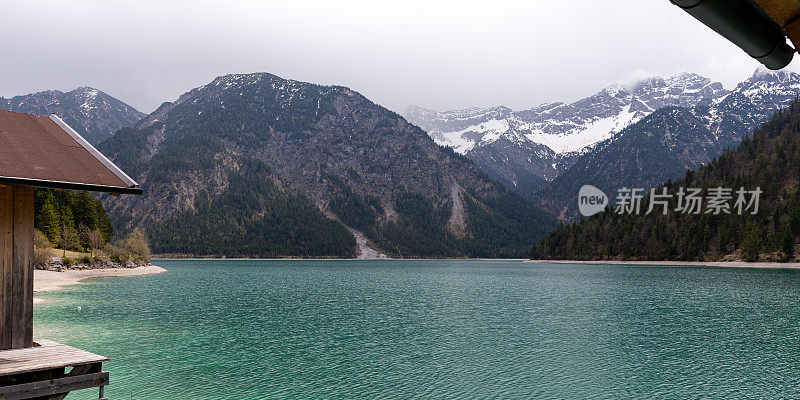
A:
435,330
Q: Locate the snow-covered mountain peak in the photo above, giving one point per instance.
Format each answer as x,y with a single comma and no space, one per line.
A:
764,74
86,91
685,79
615,90
764,79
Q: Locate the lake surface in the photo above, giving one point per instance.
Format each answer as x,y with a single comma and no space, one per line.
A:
435,330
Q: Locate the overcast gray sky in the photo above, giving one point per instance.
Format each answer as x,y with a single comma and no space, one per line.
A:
437,54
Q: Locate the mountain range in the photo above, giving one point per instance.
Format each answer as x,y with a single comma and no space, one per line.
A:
257,165
606,140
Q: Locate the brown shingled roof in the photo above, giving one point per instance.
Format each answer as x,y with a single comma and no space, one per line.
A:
46,152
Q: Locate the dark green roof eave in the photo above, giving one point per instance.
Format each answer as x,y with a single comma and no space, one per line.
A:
69,186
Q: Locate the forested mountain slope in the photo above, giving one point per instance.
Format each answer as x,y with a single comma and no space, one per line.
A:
770,160
258,165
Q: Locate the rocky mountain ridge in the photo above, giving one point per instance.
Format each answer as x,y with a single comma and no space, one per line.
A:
252,161
93,114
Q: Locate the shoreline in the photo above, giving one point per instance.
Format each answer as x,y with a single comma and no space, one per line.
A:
332,259
50,281
719,264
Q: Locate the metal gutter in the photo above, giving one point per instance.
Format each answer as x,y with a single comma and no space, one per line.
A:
99,156
746,25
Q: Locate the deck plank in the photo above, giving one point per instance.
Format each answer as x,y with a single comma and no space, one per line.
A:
46,356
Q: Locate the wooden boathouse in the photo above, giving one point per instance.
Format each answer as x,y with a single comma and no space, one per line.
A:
41,152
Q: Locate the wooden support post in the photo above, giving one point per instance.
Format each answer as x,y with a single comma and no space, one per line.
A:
16,267
6,264
22,292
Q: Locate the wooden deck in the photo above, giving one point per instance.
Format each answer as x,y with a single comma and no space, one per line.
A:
47,355
40,372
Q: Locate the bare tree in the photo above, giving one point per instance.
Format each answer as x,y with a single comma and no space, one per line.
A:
138,244
96,240
67,239
41,249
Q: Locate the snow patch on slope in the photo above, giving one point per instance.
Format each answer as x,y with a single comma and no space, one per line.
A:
588,135
462,141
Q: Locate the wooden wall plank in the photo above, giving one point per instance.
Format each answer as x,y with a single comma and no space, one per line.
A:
22,290
6,264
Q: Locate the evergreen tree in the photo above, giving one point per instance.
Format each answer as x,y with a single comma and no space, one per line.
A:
57,212
47,218
787,244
